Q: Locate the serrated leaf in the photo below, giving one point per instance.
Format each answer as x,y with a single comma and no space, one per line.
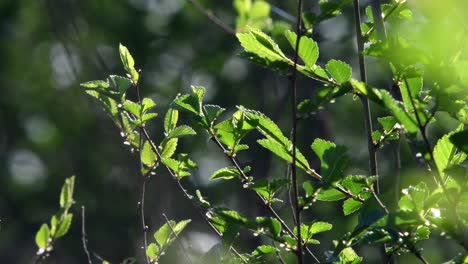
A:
64,226
180,226
414,198
387,122
152,251
225,173
148,156
340,71
147,104
119,83
213,111
187,102
444,152
333,160
308,188
163,234
148,116
411,92
308,48
266,126
133,108
170,119
168,147
260,44
42,236
284,153
350,206
181,131
349,256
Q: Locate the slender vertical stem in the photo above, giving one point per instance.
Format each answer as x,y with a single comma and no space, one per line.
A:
378,20
143,184
84,240
293,83
365,103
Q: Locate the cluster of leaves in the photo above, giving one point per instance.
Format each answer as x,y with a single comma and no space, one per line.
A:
411,106
59,223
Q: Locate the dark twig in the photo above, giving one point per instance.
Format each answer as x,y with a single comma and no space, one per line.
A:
293,85
365,103
212,17
84,238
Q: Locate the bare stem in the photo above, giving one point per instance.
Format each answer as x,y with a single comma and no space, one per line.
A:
84,239
208,14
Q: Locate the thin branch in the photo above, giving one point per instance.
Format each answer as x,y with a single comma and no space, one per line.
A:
84,239
187,195
293,85
245,179
208,14
143,184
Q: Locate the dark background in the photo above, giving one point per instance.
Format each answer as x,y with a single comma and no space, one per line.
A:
50,129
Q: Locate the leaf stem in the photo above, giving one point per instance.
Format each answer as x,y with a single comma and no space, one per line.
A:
84,240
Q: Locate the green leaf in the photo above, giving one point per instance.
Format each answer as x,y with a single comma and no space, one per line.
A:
388,122
147,104
284,153
168,147
399,113
444,152
148,156
181,131
152,251
119,84
369,92
180,226
308,188
460,140
226,173
170,119
213,112
333,160
260,44
263,250
66,194
329,195
128,62
349,256
64,226
188,103
266,126
163,234
308,48
412,92
268,189
340,71
272,225
350,206
42,236
319,227
133,108
414,198
93,85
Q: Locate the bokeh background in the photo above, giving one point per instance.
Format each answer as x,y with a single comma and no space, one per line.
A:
50,129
